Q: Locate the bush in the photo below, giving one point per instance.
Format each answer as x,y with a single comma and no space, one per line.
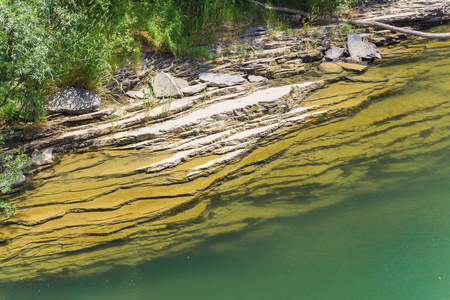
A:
43,46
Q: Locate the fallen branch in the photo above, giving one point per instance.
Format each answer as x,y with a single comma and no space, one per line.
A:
356,22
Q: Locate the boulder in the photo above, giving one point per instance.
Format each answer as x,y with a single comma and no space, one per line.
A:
181,83
164,85
42,158
359,49
330,68
194,89
253,78
221,80
333,54
73,101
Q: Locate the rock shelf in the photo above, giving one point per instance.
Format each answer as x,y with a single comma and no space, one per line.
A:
140,178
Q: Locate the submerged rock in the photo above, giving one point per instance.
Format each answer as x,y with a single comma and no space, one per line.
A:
333,54
330,68
359,49
165,85
221,80
73,101
352,66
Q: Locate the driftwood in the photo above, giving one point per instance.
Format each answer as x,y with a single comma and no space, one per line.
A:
356,22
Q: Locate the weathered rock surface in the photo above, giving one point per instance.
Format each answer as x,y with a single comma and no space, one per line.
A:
221,80
73,101
164,85
334,53
194,89
135,94
253,78
330,68
359,49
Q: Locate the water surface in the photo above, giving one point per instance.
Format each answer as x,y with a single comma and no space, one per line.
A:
353,206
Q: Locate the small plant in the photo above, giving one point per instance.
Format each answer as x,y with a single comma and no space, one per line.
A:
148,101
114,119
166,102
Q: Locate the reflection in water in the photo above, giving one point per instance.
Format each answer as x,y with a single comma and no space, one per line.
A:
352,206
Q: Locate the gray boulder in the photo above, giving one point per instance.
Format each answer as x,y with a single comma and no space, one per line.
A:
333,54
221,80
73,101
359,49
165,85
42,158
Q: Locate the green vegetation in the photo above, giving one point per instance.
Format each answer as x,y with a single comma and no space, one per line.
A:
12,164
46,45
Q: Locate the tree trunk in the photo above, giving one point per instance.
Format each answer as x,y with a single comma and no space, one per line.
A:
357,22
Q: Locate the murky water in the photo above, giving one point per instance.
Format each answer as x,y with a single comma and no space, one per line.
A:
352,206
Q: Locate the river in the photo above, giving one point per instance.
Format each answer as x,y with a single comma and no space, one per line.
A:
352,206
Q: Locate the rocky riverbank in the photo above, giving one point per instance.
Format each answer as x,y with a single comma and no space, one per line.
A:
184,147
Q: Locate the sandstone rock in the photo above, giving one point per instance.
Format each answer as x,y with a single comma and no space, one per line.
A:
330,68
165,85
359,49
194,89
42,158
333,54
181,83
73,101
221,80
135,94
352,67
253,78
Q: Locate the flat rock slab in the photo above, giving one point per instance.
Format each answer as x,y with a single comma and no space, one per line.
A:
194,89
221,80
135,94
73,101
253,78
352,67
330,68
359,49
333,54
264,96
165,85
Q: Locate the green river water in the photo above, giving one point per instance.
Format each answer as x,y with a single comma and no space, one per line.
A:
356,206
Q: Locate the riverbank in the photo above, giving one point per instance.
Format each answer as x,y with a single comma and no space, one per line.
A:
185,154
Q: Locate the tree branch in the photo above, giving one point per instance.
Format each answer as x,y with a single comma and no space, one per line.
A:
356,22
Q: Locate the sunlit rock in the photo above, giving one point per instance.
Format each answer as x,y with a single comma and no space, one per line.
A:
333,54
360,49
73,101
221,80
165,85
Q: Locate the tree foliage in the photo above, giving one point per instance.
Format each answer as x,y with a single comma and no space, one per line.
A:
42,44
